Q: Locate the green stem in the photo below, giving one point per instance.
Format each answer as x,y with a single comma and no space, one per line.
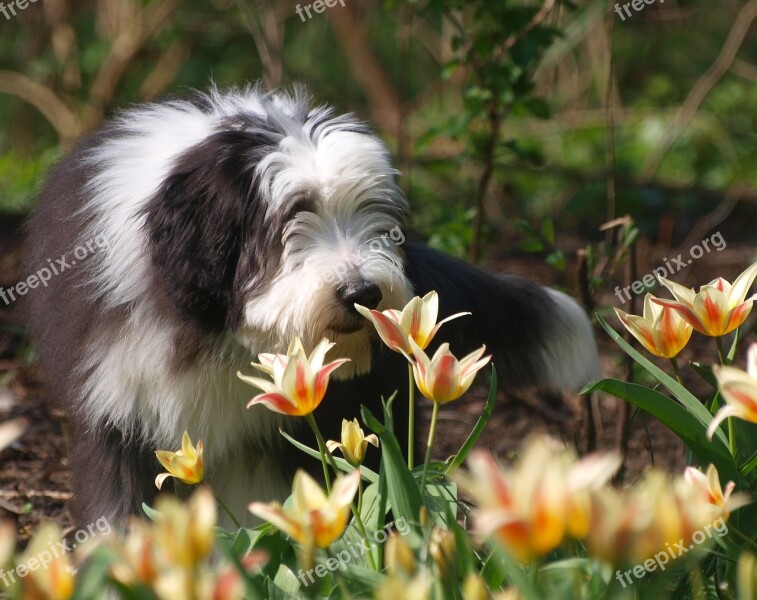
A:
411,417
429,444
327,458
721,351
325,454
222,504
676,370
360,497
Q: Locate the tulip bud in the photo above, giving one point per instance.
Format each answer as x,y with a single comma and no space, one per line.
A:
442,549
399,557
474,588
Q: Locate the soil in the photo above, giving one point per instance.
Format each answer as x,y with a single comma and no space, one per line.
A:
34,471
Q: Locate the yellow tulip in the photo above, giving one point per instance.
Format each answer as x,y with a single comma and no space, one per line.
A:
398,557
661,330
54,581
718,308
416,322
299,381
314,519
474,588
746,576
185,465
443,378
354,442
739,390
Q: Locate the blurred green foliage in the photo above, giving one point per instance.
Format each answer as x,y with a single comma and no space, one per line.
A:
439,79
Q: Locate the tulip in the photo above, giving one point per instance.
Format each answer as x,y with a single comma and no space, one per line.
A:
314,519
354,442
739,390
416,322
443,378
718,308
474,588
662,331
186,532
746,576
299,381
185,465
398,557
709,484
530,509
397,586
55,581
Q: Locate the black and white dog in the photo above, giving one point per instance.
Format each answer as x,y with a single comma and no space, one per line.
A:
225,219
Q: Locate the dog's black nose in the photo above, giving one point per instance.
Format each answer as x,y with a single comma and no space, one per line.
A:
365,293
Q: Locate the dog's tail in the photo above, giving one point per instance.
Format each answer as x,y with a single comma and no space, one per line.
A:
538,336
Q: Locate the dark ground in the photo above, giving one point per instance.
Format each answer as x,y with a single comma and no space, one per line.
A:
34,475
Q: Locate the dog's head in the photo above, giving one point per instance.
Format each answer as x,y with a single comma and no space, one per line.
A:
277,223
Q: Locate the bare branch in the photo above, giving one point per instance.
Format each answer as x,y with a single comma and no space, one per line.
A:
720,67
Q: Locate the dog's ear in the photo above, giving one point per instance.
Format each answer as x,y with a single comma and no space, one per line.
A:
199,221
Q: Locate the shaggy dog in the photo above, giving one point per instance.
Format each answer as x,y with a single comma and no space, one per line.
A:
225,225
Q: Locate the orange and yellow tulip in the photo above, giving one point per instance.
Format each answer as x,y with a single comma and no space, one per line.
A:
709,484
443,378
299,381
718,308
661,330
185,465
314,519
739,390
416,322
532,507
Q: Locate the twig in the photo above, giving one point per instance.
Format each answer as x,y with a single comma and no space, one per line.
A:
60,116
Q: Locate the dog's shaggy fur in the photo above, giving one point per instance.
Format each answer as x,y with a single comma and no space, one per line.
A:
233,222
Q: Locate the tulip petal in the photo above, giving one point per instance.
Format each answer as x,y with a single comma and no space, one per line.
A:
725,412
751,361
685,311
389,330
741,286
277,403
160,479
680,292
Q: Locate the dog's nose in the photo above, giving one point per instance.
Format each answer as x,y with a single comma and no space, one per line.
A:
365,293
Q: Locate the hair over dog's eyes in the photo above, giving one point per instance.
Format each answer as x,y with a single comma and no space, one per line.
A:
302,204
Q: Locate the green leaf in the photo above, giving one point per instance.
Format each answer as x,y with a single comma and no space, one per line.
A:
478,428
684,424
684,396
548,230
705,372
151,513
403,492
343,465
530,246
